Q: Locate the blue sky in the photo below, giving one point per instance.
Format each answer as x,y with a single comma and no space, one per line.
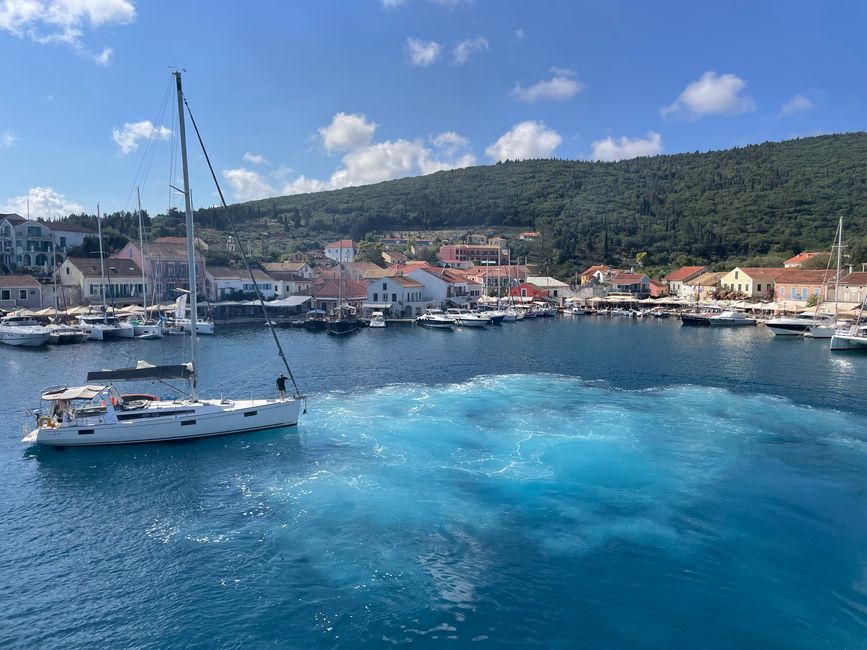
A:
323,94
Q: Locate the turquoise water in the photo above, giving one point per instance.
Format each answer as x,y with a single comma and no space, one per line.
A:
561,484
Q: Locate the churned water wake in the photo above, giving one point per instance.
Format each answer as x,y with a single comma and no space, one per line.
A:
510,509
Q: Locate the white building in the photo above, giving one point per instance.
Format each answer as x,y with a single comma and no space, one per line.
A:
81,279
27,243
341,251
444,287
223,283
555,288
397,296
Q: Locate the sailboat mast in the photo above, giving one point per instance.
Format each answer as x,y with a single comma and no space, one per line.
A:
144,292
101,265
191,260
839,267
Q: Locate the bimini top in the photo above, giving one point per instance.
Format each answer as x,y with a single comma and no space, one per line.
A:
143,371
74,392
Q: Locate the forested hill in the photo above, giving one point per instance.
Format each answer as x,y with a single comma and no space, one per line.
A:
774,197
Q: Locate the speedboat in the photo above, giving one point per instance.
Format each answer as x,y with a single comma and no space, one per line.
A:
730,319
59,334
495,316
467,319
798,325
145,329
377,319
22,331
435,318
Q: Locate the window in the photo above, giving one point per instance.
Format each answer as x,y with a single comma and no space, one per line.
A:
375,297
794,293
739,286
394,297
63,242
67,270
758,287
815,291
5,294
736,275
385,286
22,294
803,293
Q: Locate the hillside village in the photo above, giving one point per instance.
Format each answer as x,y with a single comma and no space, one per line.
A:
400,284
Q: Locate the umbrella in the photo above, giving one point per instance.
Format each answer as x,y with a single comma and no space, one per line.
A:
78,311
132,309
23,312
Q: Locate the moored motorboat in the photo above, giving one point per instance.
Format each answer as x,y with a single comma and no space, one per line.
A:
798,325
377,319
467,319
730,319
59,334
435,318
22,331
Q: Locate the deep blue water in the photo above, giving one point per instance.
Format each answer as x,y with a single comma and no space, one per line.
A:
591,483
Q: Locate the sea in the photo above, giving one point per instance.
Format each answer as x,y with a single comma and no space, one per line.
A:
577,482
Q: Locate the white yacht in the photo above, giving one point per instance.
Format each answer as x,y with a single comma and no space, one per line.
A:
100,327
98,414
730,319
435,318
22,331
59,334
377,319
180,324
465,318
853,337
798,325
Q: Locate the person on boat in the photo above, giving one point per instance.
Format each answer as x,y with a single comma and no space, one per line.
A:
281,385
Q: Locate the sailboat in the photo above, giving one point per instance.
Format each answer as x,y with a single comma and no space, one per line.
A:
144,328
344,319
97,413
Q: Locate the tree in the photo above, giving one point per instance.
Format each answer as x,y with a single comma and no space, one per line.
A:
817,262
370,251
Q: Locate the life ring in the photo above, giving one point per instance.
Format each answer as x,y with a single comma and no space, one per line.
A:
45,422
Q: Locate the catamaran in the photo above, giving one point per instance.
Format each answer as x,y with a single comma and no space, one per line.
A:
97,413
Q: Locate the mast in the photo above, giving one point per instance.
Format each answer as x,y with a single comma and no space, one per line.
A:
141,248
191,259
839,267
101,266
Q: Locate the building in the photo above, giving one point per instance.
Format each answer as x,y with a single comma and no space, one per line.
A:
676,280
594,273
463,256
223,283
794,285
341,251
530,235
327,293
755,282
81,280
555,288
498,278
297,267
20,292
445,287
396,296
394,257
796,261
853,288
658,288
287,283
165,264
529,290
702,286
637,284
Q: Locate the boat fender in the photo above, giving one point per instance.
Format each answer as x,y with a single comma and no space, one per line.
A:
45,422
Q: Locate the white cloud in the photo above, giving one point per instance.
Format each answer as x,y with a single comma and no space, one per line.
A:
248,185
347,132
466,49
519,34
128,137
389,4
7,138
560,87
713,93
525,140
44,202
304,185
422,53
255,158
64,21
797,104
450,142
610,149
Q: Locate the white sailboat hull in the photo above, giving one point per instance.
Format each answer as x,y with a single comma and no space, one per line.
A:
180,421
848,342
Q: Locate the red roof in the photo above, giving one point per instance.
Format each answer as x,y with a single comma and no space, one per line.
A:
593,269
628,278
67,227
797,276
330,288
762,274
800,258
683,273
858,278
343,243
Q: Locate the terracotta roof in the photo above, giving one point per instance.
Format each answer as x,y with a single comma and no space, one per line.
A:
114,267
683,273
284,266
67,227
287,276
226,273
762,274
596,267
705,280
800,258
330,288
360,267
411,266
343,243
18,281
373,274
628,278
166,250
858,278
797,276
657,283
405,282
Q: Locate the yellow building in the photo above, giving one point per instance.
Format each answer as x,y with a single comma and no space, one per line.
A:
755,282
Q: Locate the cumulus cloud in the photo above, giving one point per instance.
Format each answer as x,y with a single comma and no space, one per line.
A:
560,87
7,138
347,132
422,53
44,202
611,149
525,140
450,142
129,136
392,3
466,49
64,21
711,94
255,158
247,184
797,104
304,185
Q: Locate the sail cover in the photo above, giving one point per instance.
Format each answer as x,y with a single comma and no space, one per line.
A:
142,372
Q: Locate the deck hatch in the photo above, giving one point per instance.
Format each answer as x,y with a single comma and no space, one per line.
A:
250,413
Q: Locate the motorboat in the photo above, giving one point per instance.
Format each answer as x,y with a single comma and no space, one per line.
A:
494,316
343,320
377,319
184,326
798,325
730,319
465,318
146,329
100,327
59,334
544,309
435,318
316,320
22,331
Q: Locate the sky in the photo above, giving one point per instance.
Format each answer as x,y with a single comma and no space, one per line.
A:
321,94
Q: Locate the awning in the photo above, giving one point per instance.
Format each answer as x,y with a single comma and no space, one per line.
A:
76,392
377,305
143,371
